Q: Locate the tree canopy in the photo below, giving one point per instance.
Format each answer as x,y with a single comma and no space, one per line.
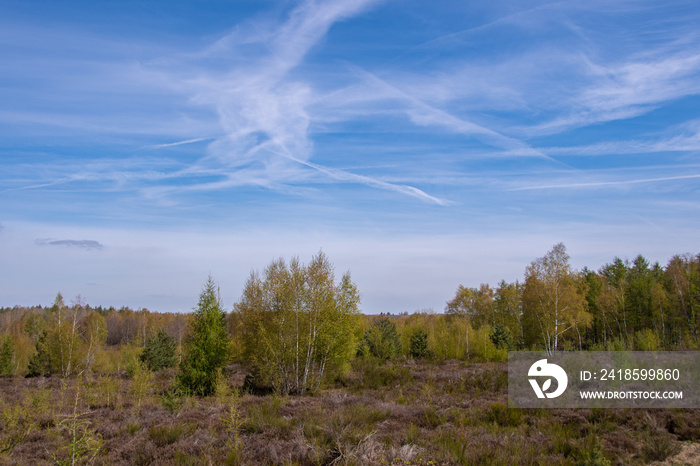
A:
297,324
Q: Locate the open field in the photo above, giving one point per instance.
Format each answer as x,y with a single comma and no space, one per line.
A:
409,413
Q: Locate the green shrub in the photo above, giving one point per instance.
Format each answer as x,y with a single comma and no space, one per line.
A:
659,447
173,399
646,340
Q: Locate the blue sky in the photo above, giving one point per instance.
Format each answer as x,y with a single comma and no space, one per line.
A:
421,145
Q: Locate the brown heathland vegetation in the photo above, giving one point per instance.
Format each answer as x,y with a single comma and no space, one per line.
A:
395,412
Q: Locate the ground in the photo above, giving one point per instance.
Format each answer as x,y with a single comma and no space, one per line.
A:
400,412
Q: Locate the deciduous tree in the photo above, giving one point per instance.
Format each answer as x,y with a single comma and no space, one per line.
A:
553,298
297,324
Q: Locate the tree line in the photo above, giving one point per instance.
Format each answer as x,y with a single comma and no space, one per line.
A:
295,326
624,305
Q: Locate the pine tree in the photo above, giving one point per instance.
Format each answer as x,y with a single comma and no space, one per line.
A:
40,362
419,344
206,347
500,337
6,356
382,340
159,352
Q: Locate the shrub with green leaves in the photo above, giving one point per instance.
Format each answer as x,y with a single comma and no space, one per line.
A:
160,351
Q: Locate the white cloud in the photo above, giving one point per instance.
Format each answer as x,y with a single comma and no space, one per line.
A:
625,90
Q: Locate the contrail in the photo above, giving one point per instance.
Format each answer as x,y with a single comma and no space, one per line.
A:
605,183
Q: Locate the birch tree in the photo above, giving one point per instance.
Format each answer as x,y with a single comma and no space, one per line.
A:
553,299
64,336
297,324
683,277
463,305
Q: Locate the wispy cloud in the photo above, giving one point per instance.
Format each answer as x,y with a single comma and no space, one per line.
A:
679,138
343,175
518,18
629,89
595,184
263,111
178,143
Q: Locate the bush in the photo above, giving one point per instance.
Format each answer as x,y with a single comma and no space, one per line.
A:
659,447
646,340
593,455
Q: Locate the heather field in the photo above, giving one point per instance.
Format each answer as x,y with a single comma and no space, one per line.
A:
394,412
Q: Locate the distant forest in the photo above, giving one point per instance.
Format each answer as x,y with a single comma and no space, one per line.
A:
633,305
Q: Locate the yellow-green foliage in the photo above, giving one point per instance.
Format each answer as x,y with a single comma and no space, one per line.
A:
483,348
647,340
450,337
16,423
141,384
407,328
21,349
298,326
108,389
447,337
108,359
129,359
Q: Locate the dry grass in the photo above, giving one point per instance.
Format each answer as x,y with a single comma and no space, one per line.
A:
383,413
